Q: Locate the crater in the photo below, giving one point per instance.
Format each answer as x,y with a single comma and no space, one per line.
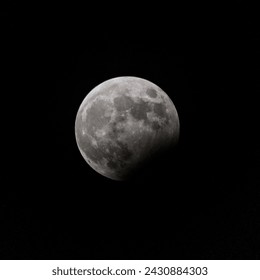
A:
151,92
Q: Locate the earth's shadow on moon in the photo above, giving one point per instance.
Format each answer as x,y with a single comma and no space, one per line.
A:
157,168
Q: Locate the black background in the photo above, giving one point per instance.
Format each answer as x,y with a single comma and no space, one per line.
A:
201,201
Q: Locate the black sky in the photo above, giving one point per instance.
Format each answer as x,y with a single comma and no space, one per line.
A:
200,202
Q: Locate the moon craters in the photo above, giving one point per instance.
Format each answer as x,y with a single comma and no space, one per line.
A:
151,92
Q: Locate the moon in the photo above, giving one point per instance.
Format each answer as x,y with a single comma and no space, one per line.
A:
124,123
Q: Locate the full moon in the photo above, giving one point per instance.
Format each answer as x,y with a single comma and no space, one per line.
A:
124,123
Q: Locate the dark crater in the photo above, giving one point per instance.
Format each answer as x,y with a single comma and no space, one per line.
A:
151,92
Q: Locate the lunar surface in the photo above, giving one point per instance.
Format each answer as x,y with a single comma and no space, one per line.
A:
123,123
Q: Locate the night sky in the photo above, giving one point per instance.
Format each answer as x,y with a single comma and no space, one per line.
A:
200,201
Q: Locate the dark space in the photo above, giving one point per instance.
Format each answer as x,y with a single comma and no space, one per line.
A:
201,201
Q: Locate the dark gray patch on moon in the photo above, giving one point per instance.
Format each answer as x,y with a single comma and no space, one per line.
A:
140,110
156,126
160,110
151,92
121,118
112,164
118,155
125,153
123,103
115,130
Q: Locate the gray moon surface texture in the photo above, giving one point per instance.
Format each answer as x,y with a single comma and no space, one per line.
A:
123,123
